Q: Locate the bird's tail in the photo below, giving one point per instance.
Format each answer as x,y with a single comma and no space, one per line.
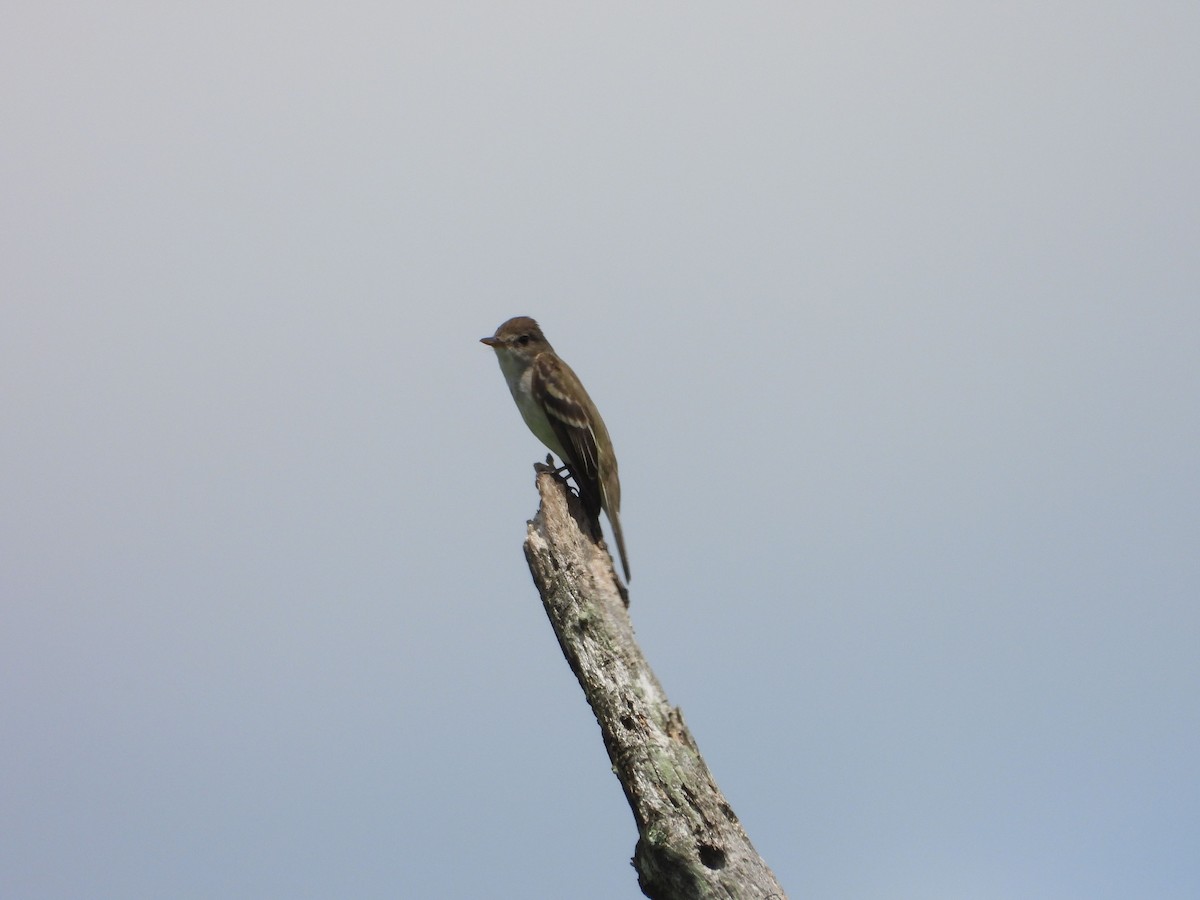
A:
614,519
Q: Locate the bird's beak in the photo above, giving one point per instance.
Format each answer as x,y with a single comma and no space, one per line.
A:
490,341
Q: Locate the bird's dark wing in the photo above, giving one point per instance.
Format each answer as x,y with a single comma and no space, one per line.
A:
573,418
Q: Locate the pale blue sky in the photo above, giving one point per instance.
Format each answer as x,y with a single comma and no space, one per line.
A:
893,312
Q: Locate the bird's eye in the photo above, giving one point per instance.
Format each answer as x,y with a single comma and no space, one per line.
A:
523,340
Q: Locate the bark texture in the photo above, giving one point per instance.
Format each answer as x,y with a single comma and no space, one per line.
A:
690,843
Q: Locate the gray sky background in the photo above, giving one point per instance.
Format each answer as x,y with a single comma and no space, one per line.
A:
893,311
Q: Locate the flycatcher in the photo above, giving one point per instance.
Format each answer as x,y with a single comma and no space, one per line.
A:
562,416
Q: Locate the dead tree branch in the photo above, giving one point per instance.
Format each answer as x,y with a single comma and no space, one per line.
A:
690,843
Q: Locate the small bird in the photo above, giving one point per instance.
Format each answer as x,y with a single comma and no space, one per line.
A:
562,416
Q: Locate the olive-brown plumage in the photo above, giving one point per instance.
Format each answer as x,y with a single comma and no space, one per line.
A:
558,410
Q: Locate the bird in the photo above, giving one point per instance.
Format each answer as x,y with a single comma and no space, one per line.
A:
559,412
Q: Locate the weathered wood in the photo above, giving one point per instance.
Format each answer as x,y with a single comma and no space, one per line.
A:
690,843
